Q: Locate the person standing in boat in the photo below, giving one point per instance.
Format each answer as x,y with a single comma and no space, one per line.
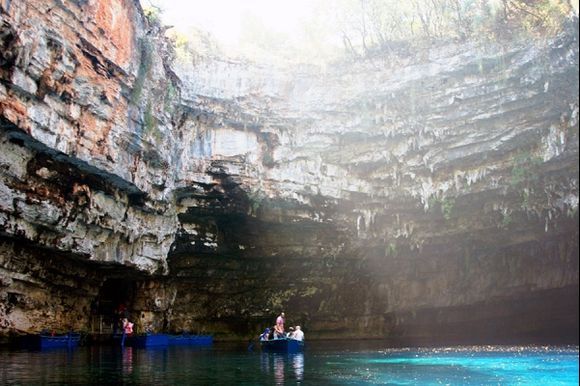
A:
279,329
127,326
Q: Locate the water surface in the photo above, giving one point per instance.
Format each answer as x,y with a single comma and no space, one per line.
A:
322,363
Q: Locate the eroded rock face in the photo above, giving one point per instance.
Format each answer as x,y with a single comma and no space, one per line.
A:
80,174
426,194
423,199
44,289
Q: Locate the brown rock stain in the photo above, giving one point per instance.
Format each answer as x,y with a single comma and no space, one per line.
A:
15,111
115,23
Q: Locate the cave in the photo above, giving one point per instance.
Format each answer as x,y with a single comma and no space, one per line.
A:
423,198
114,301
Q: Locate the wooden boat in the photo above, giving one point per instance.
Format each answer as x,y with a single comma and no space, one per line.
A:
282,345
191,340
147,340
46,341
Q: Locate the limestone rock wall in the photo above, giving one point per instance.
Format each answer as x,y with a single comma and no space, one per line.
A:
41,289
427,194
80,170
84,152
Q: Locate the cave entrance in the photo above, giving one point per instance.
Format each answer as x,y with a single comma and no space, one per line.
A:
114,301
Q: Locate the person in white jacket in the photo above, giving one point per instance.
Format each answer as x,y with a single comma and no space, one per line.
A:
298,333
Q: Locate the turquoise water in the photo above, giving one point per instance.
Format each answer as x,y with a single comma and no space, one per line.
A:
320,364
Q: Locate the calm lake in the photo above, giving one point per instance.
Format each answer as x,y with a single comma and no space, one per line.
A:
322,363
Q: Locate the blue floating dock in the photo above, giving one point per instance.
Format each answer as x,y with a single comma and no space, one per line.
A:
46,341
191,340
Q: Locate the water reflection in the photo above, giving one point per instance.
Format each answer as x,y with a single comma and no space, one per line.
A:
230,366
265,363
298,365
127,361
283,367
279,369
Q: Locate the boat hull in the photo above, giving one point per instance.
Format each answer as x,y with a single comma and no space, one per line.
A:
283,345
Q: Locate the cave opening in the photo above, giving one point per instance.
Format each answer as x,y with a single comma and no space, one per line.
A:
113,302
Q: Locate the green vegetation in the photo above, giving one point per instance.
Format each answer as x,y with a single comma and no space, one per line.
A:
152,14
391,249
143,72
363,28
191,44
171,96
183,51
148,119
524,175
255,199
150,125
368,25
506,219
525,169
445,205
